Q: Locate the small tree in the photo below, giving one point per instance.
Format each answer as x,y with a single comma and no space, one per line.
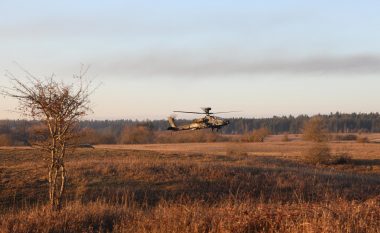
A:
59,107
314,130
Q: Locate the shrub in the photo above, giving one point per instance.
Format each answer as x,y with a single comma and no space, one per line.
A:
92,136
136,135
341,159
314,130
285,138
318,153
89,136
38,133
258,135
5,140
362,140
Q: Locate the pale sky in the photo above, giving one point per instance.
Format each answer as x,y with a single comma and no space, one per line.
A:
152,57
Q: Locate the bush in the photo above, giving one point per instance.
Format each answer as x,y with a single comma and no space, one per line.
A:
136,135
258,135
318,153
89,136
285,138
5,140
314,130
341,159
100,136
38,133
362,140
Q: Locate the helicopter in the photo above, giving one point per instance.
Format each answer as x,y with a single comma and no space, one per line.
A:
208,121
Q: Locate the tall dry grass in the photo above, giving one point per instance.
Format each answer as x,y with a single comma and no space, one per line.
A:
147,191
226,216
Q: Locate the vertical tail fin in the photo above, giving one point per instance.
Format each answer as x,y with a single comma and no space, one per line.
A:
172,124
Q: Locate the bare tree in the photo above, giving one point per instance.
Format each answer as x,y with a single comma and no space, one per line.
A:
59,107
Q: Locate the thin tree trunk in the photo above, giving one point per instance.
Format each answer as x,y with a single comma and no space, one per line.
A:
62,186
52,185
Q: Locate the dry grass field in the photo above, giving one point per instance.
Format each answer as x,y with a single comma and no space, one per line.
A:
196,187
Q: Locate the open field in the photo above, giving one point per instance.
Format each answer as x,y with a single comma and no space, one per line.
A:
195,187
283,149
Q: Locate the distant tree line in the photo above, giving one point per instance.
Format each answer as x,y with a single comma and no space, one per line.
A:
334,123
18,132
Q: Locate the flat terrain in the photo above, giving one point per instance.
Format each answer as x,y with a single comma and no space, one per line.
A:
283,149
196,187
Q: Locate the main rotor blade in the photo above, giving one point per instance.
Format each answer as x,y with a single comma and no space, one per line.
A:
190,112
223,112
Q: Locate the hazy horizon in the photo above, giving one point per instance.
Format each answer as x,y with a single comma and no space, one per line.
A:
153,57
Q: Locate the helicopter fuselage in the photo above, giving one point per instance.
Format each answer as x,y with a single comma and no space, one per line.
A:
208,121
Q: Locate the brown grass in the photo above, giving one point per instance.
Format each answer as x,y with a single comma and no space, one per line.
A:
226,216
190,137
210,187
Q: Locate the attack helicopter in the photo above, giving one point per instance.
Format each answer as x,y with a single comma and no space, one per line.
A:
208,121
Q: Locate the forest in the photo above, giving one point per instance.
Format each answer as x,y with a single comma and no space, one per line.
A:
19,132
